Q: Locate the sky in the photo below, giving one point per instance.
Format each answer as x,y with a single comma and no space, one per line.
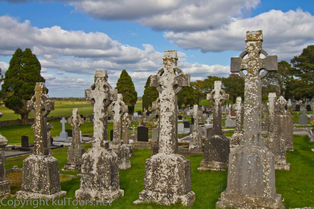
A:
73,38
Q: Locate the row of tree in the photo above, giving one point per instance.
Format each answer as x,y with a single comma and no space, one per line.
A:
294,80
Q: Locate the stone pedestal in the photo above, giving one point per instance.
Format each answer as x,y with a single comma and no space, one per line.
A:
100,176
4,183
74,159
285,129
250,181
123,153
41,178
174,184
216,152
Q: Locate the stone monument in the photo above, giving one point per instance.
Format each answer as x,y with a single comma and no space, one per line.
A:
274,143
167,174
119,108
216,156
251,173
76,149
196,138
238,132
126,123
100,169
4,183
63,133
41,177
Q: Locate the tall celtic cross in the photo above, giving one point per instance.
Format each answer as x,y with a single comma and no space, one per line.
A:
253,64
217,96
169,81
76,121
40,106
239,114
119,108
196,113
101,95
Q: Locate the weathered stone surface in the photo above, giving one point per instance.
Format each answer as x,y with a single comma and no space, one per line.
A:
63,133
251,170
76,149
167,174
285,124
4,183
303,119
41,177
274,142
126,123
100,169
196,138
217,145
238,132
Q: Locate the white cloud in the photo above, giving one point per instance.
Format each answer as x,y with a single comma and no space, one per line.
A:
4,66
48,76
285,34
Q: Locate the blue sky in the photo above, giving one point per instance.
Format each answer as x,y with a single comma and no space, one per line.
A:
72,39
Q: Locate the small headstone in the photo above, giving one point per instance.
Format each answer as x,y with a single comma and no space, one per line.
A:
142,134
25,142
303,119
180,117
155,133
181,128
229,122
308,108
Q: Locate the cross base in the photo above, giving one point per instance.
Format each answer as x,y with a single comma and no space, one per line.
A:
74,159
24,195
123,152
4,188
167,180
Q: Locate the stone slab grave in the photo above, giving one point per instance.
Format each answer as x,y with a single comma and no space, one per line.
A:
237,136
100,182
41,178
142,134
251,170
119,109
76,149
4,182
303,119
217,148
196,138
167,174
274,142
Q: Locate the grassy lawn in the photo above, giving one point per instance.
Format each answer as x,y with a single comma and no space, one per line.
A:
296,186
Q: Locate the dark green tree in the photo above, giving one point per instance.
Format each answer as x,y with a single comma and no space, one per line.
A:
150,95
125,86
20,80
234,86
186,97
303,71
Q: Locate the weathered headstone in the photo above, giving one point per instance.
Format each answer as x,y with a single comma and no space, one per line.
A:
229,122
303,119
41,177
142,134
4,183
133,136
63,134
308,108
167,174
25,144
196,138
186,126
216,157
100,169
238,132
76,149
126,123
181,128
274,142
251,170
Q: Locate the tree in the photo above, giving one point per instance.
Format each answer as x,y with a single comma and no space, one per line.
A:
186,97
303,71
197,89
20,80
126,87
234,86
150,95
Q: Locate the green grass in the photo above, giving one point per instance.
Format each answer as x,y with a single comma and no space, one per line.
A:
296,185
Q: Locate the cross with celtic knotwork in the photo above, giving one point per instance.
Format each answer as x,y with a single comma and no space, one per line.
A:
254,64
40,106
75,121
217,96
119,108
169,81
101,95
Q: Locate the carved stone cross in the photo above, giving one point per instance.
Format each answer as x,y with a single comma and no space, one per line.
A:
63,121
75,121
196,113
40,106
169,81
101,95
217,96
253,84
239,114
119,108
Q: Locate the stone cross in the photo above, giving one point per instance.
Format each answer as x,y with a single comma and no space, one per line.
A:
125,128
253,84
196,139
166,79
239,114
196,113
40,106
119,108
63,121
217,96
75,121
101,95
5,184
